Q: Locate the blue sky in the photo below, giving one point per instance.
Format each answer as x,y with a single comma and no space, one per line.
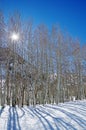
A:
69,14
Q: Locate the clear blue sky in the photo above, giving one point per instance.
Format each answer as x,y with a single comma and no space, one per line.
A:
69,14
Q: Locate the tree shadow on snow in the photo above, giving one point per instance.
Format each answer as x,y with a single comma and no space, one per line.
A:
75,109
77,103
17,119
58,122
28,110
46,124
23,113
1,111
81,122
13,119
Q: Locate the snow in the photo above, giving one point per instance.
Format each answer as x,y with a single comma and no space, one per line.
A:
64,116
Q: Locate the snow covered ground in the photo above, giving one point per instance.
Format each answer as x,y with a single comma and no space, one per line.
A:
67,116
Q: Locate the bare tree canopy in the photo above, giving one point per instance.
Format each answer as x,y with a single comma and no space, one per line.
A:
39,66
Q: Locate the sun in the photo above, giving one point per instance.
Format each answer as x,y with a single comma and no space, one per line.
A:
15,36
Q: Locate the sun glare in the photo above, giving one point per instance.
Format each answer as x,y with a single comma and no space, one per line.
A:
15,36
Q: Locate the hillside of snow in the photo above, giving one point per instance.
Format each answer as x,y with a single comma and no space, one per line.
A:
67,116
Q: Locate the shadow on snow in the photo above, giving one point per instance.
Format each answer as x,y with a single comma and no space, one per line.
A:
1,111
13,120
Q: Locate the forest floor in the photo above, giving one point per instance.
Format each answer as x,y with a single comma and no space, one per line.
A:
64,116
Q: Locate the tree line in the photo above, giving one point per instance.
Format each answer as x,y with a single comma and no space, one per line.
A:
43,66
